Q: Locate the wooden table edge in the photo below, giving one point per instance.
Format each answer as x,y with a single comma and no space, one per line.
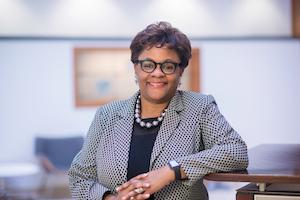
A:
257,178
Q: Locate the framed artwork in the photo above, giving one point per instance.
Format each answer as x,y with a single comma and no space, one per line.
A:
105,74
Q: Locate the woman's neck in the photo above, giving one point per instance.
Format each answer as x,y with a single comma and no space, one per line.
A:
150,109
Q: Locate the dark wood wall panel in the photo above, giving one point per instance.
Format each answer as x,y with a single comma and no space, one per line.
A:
296,18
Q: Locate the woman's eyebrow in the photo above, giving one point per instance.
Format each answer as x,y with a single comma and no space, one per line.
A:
169,60
163,61
166,60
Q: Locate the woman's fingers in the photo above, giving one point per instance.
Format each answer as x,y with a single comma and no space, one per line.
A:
122,187
141,176
134,182
134,195
134,188
142,196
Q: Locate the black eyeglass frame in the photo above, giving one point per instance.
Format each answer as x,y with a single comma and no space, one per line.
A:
140,62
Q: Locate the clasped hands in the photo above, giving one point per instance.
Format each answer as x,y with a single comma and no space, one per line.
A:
143,185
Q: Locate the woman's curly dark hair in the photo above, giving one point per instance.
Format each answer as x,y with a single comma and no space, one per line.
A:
159,35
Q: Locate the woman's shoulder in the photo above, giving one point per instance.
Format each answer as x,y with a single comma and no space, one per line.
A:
117,107
112,107
193,101
195,98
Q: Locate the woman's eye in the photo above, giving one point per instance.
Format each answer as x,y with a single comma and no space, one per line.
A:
169,66
148,65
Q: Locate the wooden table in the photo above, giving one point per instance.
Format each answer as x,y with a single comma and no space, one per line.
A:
274,169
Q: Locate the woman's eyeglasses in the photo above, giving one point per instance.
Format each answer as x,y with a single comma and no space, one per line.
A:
149,66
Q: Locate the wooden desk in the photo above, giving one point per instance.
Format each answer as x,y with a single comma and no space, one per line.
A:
274,169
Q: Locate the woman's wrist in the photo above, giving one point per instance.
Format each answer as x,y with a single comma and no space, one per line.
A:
170,175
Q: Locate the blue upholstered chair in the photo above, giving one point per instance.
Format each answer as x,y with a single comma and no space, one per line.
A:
55,156
57,153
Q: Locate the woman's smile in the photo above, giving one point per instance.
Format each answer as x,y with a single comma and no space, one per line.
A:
157,84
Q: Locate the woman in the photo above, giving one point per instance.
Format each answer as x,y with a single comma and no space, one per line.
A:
162,141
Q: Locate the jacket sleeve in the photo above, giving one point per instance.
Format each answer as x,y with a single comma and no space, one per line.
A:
224,150
83,172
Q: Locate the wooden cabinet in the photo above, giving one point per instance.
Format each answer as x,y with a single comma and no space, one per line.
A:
273,173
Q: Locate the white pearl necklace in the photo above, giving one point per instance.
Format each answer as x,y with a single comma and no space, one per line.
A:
138,115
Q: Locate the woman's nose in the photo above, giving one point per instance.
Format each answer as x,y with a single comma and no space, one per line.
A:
157,71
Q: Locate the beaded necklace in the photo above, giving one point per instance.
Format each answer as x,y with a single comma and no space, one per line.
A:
138,119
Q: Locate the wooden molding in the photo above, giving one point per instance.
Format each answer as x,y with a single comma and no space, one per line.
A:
296,18
195,70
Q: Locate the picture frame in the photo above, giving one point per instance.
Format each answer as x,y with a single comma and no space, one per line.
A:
102,75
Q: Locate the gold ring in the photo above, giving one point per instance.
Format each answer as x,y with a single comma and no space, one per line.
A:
139,190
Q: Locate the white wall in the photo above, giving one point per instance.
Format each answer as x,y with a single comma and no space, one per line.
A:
116,18
255,83
36,95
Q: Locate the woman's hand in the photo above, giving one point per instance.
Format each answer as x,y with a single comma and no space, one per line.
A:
159,178
154,180
127,190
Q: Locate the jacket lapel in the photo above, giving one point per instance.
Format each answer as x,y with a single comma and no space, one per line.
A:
122,136
168,126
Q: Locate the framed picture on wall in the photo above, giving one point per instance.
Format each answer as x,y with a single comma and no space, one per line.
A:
105,74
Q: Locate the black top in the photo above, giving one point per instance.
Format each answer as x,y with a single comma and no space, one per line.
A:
141,145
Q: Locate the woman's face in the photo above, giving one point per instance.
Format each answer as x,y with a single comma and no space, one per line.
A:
157,87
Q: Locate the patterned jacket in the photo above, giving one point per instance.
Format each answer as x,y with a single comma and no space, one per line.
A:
193,132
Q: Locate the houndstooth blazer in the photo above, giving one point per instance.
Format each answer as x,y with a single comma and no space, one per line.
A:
193,132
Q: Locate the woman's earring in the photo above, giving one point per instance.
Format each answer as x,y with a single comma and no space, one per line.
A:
179,84
135,80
